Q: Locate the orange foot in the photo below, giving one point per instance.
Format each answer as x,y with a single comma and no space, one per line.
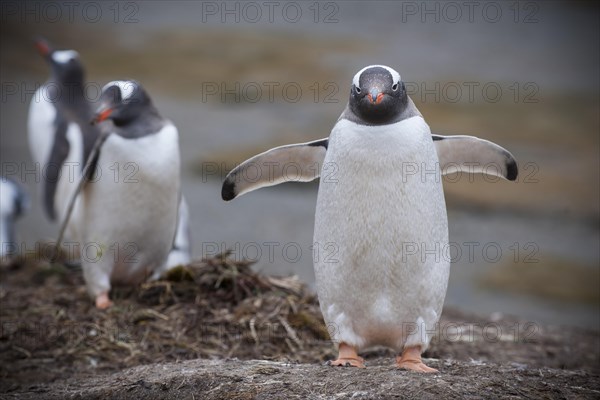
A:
347,357
102,301
411,360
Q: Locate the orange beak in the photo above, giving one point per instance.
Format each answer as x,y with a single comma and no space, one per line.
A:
101,116
42,47
378,98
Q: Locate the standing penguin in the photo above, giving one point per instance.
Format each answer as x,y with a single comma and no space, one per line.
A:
60,136
380,195
128,216
61,139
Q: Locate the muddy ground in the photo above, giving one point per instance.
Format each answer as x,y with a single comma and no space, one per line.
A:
216,329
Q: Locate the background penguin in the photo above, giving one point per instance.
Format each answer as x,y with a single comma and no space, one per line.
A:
380,191
13,204
61,139
60,135
129,219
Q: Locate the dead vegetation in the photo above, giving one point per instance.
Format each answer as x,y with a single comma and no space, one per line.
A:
217,310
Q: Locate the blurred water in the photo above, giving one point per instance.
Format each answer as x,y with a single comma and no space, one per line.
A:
554,43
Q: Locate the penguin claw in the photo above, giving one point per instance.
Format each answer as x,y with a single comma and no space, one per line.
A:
103,302
347,362
416,366
411,360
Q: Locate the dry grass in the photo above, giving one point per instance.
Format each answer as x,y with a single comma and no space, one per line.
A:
210,309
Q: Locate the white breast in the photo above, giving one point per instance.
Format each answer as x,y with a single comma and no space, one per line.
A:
375,204
41,136
132,207
40,126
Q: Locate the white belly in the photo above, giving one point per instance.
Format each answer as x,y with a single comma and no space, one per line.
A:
371,215
41,131
130,212
40,126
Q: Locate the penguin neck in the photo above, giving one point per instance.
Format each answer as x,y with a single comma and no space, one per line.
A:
66,92
145,123
72,100
409,110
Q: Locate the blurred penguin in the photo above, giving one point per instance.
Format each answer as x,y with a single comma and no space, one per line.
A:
60,135
61,139
13,204
134,219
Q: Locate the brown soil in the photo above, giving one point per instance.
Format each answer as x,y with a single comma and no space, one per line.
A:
216,329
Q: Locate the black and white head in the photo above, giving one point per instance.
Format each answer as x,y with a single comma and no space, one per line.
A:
65,64
123,102
378,95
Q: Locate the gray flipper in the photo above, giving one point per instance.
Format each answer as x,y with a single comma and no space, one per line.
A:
292,163
473,155
90,135
58,155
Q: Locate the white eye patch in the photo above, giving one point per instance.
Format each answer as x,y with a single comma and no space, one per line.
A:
64,56
393,72
126,88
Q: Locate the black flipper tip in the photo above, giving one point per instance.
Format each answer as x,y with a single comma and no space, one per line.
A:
228,190
512,170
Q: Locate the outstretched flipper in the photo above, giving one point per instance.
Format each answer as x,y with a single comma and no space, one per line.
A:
292,163
473,155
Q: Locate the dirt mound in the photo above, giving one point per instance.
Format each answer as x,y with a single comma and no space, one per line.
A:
258,379
54,342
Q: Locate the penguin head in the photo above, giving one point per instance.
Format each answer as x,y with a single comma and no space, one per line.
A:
122,102
65,64
378,94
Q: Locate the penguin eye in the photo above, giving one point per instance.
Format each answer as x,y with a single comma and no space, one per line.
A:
395,86
357,89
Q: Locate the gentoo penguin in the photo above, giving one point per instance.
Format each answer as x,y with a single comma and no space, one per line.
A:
129,215
61,139
13,203
380,197
60,135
